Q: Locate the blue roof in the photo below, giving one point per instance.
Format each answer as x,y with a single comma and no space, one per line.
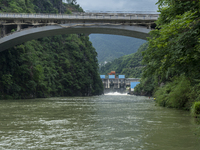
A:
121,76
111,76
102,76
133,84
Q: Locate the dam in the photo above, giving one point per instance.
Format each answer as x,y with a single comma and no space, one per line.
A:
120,84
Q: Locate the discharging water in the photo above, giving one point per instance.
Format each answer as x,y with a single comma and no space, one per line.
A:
108,122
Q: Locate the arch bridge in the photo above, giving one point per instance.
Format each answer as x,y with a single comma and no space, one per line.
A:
19,28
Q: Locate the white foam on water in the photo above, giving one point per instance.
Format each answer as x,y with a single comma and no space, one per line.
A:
115,93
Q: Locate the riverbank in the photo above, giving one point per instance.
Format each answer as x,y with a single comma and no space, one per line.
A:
179,94
171,72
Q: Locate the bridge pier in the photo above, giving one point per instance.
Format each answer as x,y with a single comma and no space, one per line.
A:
149,26
19,27
4,31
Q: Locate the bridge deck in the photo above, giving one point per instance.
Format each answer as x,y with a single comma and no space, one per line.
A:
32,26
84,16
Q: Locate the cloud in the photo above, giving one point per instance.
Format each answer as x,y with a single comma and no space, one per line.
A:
118,5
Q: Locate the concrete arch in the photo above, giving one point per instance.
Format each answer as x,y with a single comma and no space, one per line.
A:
45,31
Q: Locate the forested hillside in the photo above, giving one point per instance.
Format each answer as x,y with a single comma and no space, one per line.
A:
38,6
172,60
110,47
63,65
128,65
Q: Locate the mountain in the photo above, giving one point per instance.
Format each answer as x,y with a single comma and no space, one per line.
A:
62,65
128,65
110,47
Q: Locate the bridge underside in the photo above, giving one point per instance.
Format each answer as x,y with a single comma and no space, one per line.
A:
45,31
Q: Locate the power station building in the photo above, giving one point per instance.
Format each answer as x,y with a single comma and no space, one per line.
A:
112,83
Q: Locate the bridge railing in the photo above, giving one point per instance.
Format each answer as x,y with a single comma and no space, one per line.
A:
84,16
120,12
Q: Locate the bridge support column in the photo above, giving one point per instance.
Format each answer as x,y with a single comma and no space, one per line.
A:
19,27
4,30
149,26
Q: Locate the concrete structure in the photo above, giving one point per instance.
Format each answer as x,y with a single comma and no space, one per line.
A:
117,85
33,26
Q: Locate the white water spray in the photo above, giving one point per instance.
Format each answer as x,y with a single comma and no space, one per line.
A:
115,93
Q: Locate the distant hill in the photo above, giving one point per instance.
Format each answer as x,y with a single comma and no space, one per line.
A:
128,65
110,47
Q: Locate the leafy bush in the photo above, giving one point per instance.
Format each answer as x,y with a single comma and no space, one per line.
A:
195,110
173,54
146,87
174,94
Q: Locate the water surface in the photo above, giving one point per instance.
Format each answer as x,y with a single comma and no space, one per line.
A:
110,122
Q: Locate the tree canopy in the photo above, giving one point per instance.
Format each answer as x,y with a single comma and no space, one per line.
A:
62,65
128,65
174,48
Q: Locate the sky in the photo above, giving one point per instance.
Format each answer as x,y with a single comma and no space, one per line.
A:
118,5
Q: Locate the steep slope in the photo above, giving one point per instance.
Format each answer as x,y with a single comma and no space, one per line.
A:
128,65
171,71
110,47
63,65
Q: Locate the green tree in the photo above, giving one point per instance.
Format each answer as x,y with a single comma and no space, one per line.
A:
129,65
174,46
62,65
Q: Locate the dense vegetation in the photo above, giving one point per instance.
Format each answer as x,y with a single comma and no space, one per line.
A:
38,6
171,61
110,47
63,65
128,65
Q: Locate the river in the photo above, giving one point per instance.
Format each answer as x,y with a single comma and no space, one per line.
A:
107,122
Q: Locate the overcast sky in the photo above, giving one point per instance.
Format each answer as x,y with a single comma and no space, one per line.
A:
118,5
